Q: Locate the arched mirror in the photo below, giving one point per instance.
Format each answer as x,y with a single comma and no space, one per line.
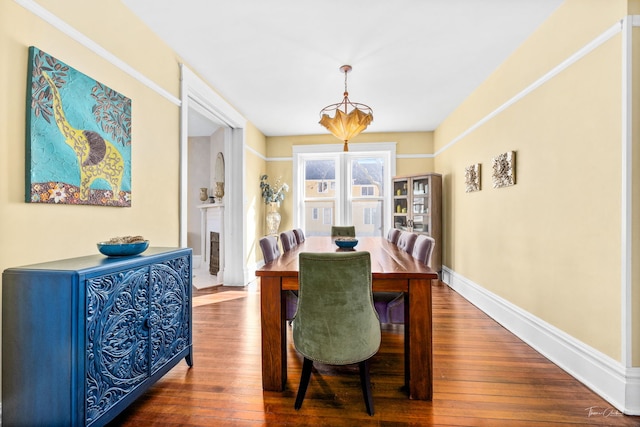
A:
219,168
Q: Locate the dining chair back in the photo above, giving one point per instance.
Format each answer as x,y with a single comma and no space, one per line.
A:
270,251
299,235
406,241
269,247
343,231
423,248
336,322
381,301
288,239
393,235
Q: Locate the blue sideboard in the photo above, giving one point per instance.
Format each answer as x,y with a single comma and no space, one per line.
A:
83,338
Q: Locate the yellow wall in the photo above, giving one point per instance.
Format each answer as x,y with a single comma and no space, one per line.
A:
280,154
255,166
551,244
38,232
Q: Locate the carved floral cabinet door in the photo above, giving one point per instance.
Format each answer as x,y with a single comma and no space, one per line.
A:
117,348
137,320
170,310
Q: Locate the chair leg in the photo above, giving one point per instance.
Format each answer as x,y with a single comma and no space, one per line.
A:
366,385
304,382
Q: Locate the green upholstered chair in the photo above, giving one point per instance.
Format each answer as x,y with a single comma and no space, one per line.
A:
343,231
336,322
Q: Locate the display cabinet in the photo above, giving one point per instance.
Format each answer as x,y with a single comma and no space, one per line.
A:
82,338
417,207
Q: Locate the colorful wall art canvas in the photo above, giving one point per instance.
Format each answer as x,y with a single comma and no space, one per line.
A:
78,137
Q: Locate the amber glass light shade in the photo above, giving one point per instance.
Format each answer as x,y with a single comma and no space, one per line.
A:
346,124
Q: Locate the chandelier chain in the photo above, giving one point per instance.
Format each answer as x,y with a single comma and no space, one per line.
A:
346,92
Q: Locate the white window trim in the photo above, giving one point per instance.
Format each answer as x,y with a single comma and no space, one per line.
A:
388,148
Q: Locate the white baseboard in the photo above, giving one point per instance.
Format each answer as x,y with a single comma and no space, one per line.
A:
607,377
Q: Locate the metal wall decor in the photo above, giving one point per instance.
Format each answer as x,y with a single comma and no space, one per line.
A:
504,169
472,178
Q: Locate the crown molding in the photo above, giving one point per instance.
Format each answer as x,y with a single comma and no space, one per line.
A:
94,47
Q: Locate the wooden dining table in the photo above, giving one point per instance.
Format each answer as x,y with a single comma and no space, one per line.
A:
392,270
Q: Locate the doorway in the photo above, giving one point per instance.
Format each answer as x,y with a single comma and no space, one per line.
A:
202,106
205,142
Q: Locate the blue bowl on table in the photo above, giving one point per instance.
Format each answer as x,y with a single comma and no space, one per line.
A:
122,249
346,242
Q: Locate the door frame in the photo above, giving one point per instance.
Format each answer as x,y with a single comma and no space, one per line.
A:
196,94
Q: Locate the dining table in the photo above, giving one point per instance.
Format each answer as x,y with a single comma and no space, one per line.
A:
392,270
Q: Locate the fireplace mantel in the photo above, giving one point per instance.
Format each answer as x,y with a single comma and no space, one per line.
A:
211,219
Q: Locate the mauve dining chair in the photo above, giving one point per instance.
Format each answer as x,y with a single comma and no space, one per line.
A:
270,251
406,241
422,250
269,247
299,234
393,235
288,239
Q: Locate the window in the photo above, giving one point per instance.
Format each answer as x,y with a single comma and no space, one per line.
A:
344,187
366,190
369,216
323,187
327,217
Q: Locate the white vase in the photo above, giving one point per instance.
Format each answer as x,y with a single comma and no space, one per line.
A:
273,219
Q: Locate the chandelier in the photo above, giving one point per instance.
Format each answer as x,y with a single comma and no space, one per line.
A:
346,124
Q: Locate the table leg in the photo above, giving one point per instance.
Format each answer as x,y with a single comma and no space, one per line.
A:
274,339
418,337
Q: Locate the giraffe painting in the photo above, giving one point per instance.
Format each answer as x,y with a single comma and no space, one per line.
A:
78,145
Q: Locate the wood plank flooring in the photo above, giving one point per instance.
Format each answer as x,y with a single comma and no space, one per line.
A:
483,376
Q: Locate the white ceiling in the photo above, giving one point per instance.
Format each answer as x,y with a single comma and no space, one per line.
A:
277,61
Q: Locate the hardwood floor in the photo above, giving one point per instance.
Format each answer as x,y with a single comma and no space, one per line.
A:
483,376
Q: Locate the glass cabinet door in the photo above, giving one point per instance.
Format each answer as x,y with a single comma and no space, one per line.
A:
401,207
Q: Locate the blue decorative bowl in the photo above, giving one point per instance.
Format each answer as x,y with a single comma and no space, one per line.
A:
346,242
122,249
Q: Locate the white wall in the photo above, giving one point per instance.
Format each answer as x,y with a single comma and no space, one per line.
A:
199,175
